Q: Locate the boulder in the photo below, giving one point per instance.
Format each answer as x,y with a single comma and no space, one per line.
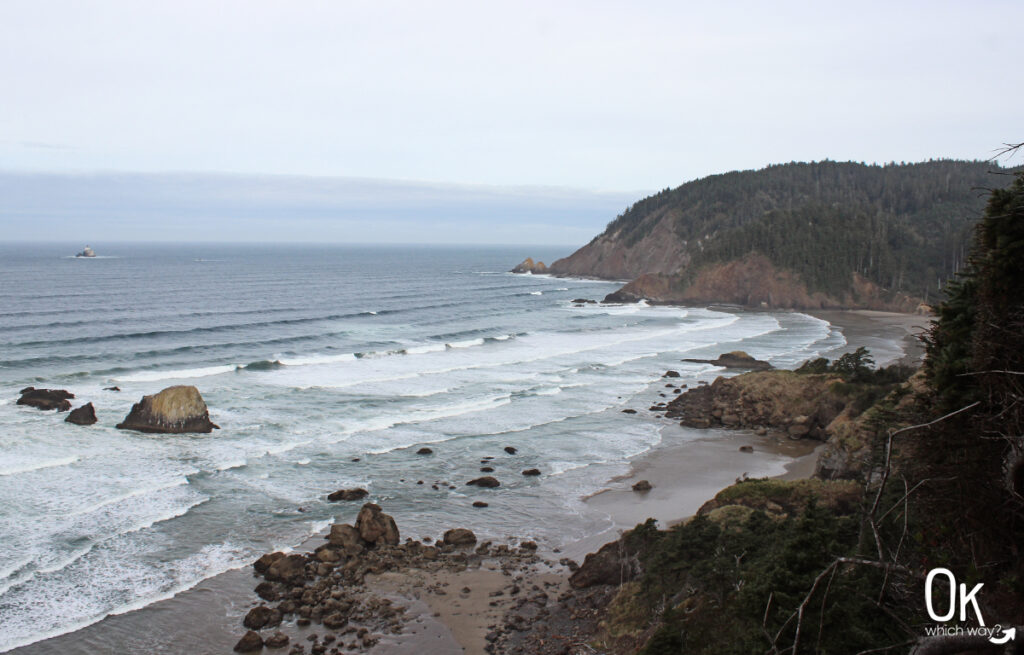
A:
289,569
459,537
84,415
267,591
671,374
348,494
250,643
487,481
376,527
424,451
629,411
479,503
486,469
46,399
335,621
643,485
510,450
261,617
746,449
276,640
531,472
174,410
263,563
344,535
111,388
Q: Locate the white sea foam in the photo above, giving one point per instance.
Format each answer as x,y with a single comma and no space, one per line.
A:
469,343
314,360
182,374
87,509
424,349
15,469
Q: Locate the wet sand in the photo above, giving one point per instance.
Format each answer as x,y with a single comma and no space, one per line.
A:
889,336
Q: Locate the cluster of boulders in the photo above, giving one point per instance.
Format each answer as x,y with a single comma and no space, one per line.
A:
328,586
176,409
778,402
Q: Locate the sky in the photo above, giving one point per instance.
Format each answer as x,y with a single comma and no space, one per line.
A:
536,100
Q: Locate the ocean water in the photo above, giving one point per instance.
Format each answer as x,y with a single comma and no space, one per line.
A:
309,358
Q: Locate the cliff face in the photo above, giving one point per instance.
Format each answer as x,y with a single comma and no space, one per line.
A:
753,281
801,236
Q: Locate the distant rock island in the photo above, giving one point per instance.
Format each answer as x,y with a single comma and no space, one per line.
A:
86,252
529,266
794,236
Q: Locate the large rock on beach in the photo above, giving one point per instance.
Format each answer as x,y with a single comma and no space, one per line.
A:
376,527
262,617
459,537
174,410
250,643
84,415
46,399
610,565
345,536
289,569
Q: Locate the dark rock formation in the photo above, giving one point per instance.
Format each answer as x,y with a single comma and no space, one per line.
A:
479,503
174,410
486,481
671,374
531,472
459,537
84,415
643,485
510,450
487,469
735,359
111,388
529,266
289,569
345,536
778,400
424,451
629,411
263,563
262,617
250,643
376,527
348,494
609,565
46,399
746,449
276,640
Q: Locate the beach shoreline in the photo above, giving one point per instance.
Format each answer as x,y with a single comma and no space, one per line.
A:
686,469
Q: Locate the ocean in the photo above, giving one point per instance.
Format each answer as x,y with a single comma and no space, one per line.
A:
326,367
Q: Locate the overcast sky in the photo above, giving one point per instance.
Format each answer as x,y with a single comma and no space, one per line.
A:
600,96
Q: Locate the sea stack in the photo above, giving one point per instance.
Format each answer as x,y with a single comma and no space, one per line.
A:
174,410
529,266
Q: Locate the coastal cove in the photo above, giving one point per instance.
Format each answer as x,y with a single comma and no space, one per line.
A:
486,360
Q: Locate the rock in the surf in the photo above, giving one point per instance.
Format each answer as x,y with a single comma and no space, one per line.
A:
459,537
348,494
376,527
46,399
486,481
531,472
424,451
174,410
84,415
262,617
642,486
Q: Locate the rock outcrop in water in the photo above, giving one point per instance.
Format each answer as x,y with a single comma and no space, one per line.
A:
46,399
174,410
735,359
529,266
84,415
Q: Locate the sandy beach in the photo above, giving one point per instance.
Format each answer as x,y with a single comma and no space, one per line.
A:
454,610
